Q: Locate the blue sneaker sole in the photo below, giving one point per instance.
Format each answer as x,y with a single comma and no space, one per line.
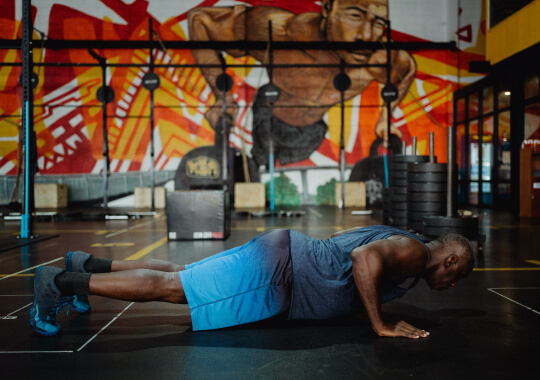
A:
80,311
46,333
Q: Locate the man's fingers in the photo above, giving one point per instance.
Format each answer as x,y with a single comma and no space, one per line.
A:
410,331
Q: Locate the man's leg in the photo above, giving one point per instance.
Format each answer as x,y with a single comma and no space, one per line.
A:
139,285
53,288
81,262
153,264
84,262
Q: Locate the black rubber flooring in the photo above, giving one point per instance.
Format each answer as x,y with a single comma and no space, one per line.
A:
485,328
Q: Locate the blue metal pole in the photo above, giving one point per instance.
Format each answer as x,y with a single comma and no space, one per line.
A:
25,218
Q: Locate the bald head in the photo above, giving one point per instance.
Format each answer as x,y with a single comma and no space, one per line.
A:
460,246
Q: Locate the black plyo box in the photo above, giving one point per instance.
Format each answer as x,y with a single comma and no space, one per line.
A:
198,215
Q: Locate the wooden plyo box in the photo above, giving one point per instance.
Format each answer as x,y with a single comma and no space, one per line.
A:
355,194
249,195
50,195
143,197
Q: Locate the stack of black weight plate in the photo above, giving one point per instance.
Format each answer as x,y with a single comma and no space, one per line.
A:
398,188
426,193
435,226
386,205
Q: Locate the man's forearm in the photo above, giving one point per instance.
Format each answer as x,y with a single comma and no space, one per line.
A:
367,271
405,71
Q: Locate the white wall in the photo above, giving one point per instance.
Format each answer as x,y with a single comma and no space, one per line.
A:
435,20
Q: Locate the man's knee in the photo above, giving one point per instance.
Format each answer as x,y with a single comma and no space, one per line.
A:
174,291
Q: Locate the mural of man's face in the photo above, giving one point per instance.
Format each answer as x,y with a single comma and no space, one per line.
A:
354,20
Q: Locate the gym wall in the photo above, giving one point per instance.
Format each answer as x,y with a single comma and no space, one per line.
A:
68,114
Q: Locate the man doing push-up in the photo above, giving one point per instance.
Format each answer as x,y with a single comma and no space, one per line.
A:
280,272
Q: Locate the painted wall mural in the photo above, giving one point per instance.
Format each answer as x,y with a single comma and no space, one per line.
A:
187,110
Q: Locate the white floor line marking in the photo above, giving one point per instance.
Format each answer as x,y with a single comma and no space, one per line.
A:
36,352
24,307
107,325
29,269
129,229
315,212
532,288
510,299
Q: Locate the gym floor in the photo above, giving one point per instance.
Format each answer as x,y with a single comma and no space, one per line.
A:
487,327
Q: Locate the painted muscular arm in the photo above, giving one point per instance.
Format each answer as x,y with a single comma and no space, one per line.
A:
402,75
384,258
216,24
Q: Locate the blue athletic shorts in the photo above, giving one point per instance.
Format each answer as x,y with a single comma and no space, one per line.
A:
241,285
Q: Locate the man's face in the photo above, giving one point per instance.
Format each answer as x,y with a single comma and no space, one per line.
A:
357,20
446,276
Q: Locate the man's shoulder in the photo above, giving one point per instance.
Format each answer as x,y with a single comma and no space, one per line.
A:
406,253
304,27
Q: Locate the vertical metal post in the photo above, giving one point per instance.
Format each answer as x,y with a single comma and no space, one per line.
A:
467,153
105,136
388,81
450,174
27,120
271,142
342,144
431,147
152,170
496,149
414,145
224,142
480,149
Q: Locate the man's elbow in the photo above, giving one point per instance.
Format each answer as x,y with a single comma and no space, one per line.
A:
366,260
359,256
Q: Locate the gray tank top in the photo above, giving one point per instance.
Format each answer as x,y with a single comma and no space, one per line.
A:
323,283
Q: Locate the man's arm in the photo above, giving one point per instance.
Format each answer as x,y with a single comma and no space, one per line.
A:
402,75
216,24
384,258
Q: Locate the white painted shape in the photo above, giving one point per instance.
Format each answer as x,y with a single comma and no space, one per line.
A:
59,148
113,165
127,98
122,103
71,141
7,167
172,164
76,120
321,160
125,166
57,132
98,167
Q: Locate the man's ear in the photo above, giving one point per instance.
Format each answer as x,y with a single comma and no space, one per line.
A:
450,260
326,7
